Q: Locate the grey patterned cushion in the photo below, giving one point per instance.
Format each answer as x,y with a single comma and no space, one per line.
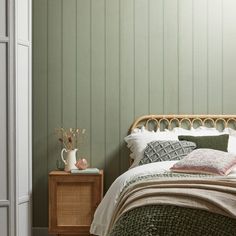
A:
157,151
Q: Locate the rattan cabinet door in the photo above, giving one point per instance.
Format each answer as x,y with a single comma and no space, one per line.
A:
73,199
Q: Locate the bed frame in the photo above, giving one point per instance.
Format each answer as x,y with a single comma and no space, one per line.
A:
154,122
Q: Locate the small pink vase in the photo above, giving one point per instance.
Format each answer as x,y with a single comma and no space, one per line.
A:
82,164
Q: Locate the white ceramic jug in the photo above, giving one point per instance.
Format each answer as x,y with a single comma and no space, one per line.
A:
70,159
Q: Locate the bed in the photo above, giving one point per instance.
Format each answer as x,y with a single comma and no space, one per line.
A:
159,195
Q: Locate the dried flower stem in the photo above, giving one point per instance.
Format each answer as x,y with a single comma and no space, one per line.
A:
69,137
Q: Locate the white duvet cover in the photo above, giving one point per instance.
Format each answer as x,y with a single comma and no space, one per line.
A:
104,211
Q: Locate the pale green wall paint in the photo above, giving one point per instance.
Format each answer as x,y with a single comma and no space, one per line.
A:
98,64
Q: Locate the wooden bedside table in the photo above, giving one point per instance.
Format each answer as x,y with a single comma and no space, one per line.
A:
73,199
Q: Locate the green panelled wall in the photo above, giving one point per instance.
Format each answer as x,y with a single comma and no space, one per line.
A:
98,64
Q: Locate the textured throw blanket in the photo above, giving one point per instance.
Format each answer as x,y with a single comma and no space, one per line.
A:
216,195
168,220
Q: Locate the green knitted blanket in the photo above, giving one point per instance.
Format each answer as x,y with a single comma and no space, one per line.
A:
164,220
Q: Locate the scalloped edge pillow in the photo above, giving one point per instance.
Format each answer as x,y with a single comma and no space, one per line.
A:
206,161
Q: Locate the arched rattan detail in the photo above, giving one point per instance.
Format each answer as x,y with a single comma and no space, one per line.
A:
223,120
152,119
163,120
209,119
192,118
185,119
174,119
228,121
196,119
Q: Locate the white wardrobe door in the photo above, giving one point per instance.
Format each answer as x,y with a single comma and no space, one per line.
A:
23,121
23,116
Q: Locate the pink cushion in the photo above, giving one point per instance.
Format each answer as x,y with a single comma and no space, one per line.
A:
206,161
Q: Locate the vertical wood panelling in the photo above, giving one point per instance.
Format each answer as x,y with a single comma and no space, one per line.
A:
69,63
84,75
214,56
126,75
101,63
185,57
170,56
200,56
40,115
3,121
112,90
141,57
98,83
156,51
229,56
54,54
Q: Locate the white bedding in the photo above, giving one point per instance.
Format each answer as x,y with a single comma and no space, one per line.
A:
104,211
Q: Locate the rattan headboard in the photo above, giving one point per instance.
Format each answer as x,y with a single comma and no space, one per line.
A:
153,122
170,121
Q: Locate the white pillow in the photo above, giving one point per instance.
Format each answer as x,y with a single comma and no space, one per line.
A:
232,144
138,140
230,131
200,131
